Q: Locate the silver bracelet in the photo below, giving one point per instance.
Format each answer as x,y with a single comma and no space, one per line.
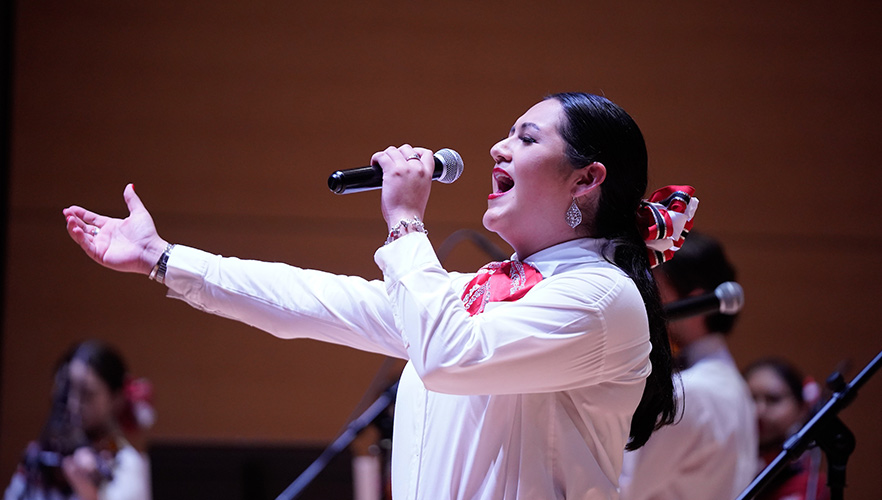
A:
415,224
157,274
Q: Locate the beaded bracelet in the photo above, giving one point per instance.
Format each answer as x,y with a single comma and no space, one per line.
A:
414,224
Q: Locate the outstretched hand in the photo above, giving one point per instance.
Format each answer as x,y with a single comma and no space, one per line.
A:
128,245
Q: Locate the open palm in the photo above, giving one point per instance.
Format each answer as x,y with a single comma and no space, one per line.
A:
129,245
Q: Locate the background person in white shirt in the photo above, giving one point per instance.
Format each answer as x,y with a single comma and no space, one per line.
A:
710,452
508,399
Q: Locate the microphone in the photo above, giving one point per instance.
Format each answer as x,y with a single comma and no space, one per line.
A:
727,298
448,168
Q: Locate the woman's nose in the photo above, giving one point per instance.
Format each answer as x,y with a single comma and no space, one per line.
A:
499,152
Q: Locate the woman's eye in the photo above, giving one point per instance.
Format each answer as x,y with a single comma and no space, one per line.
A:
527,139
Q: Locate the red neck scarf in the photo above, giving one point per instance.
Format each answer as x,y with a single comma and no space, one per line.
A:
499,282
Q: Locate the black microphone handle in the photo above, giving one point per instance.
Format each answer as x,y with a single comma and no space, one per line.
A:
354,180
692,306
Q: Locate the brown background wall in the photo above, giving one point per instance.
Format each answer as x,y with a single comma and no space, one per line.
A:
228,117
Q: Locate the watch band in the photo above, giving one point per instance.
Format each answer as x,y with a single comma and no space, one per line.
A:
157,274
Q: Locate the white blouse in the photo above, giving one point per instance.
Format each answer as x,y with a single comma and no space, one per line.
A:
529,399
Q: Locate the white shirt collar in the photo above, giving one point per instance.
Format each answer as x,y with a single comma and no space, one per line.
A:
710,346
558,258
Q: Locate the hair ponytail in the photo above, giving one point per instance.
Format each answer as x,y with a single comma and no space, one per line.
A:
657,406
597,130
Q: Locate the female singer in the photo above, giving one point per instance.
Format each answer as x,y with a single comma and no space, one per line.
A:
525,380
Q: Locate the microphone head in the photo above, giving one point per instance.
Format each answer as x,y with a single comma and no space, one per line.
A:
731,297
451,164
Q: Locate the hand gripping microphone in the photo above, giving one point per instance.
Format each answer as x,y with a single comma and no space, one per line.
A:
727,298
448,168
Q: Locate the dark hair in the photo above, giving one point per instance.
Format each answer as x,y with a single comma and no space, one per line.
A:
701,264
790,374
104,359
60,437
62,434
597,130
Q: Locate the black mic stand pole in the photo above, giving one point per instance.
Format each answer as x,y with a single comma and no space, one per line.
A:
340,443
825,429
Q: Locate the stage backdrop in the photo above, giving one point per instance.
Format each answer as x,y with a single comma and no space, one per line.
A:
228,117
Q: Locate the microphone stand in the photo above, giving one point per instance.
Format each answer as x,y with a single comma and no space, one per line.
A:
340,443
481,241
827,431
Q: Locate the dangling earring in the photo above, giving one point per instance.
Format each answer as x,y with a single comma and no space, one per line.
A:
574,215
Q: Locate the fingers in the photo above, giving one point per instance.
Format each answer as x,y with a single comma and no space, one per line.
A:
82,235
80,470
407,176
410,153
133,202
85,216
82,223
388,157
403,157
85,458
75,227
84,226
424,154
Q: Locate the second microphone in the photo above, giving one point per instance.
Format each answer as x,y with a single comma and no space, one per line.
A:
448,168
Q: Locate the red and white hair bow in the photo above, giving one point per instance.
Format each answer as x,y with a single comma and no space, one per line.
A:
139,413
665,220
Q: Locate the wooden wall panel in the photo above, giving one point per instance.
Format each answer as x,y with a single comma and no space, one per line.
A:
229,116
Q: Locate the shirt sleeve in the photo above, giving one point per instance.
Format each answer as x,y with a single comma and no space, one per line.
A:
574,329
287,301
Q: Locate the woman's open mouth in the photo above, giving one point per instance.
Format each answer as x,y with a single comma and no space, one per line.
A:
502,183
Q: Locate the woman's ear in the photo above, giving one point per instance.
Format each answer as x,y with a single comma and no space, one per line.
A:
589,178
